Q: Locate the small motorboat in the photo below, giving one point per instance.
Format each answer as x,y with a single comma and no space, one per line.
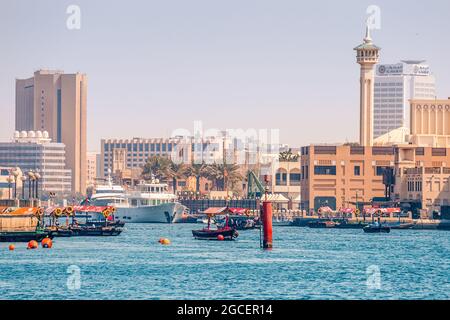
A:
377,228
322,224
221,233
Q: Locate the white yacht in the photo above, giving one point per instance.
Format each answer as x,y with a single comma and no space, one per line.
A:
147,203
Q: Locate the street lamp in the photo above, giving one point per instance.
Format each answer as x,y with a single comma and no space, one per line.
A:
37,176
23,178
15,172
10,180
30,182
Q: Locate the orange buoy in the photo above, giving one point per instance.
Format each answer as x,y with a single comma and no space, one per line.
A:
32,244
220,237
165,242
47,243
11,247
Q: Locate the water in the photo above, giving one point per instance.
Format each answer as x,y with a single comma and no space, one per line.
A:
305,264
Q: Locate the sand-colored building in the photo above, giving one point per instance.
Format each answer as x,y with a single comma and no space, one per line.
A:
341,176
430,123
56,102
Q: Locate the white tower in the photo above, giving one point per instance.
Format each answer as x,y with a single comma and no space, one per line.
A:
367,57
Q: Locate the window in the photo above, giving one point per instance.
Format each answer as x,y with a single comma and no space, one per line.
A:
325,170
357,170
380,170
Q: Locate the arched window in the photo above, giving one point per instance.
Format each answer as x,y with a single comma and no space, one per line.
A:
294,177
281,177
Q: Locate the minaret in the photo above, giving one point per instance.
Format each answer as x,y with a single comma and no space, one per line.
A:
367,57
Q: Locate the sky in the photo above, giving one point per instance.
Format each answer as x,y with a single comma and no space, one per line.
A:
157,66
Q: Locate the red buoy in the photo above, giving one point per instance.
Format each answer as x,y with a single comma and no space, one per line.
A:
47,243
220,237
267,224
11,247
32,244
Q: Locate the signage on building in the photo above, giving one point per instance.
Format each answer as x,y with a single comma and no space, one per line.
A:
403,69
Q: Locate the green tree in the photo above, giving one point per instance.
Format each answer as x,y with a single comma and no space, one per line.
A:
198,171
158,167
224,175
176,172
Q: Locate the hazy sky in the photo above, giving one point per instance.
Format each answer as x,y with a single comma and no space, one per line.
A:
155,66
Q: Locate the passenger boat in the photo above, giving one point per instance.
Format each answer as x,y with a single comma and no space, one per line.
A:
322,224
85,221
377,228
207,233
22,225
401,226
345,224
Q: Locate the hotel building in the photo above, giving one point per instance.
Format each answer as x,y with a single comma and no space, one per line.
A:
395,85
34,151
56,102
119,155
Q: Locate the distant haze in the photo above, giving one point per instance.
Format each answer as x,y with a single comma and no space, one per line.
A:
155,66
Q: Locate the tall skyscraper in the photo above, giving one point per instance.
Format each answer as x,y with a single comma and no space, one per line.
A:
56,102
395,85
367,57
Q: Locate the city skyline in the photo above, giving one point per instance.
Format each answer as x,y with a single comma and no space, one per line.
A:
248,62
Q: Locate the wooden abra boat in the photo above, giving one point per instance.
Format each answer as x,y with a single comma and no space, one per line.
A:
322,224
22,224
227,232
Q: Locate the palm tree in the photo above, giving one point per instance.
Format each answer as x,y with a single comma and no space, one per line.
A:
198,171
175,171
223,175
288,156
157,167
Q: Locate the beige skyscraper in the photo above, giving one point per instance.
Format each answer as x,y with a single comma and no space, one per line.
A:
56,102
367,57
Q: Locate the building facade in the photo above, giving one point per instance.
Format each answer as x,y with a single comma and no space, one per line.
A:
56,102
34,151
341,176
91,168
430,123
395,85
120,155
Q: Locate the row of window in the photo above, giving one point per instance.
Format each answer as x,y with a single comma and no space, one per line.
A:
140,146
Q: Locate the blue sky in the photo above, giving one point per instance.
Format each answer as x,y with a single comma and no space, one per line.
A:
155,66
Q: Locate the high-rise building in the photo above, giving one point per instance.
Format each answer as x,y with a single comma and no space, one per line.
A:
395,85
367,57
34,151
56,102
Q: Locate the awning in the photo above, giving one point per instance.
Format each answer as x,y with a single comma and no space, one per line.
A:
276,197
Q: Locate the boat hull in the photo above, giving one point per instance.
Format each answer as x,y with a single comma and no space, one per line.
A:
24,236
162,213
204,234
382,229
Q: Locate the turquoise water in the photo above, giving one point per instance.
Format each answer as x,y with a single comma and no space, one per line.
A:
304,264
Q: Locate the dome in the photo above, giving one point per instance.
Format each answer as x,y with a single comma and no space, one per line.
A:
45,134
31,134
16,134
23,134
38,134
